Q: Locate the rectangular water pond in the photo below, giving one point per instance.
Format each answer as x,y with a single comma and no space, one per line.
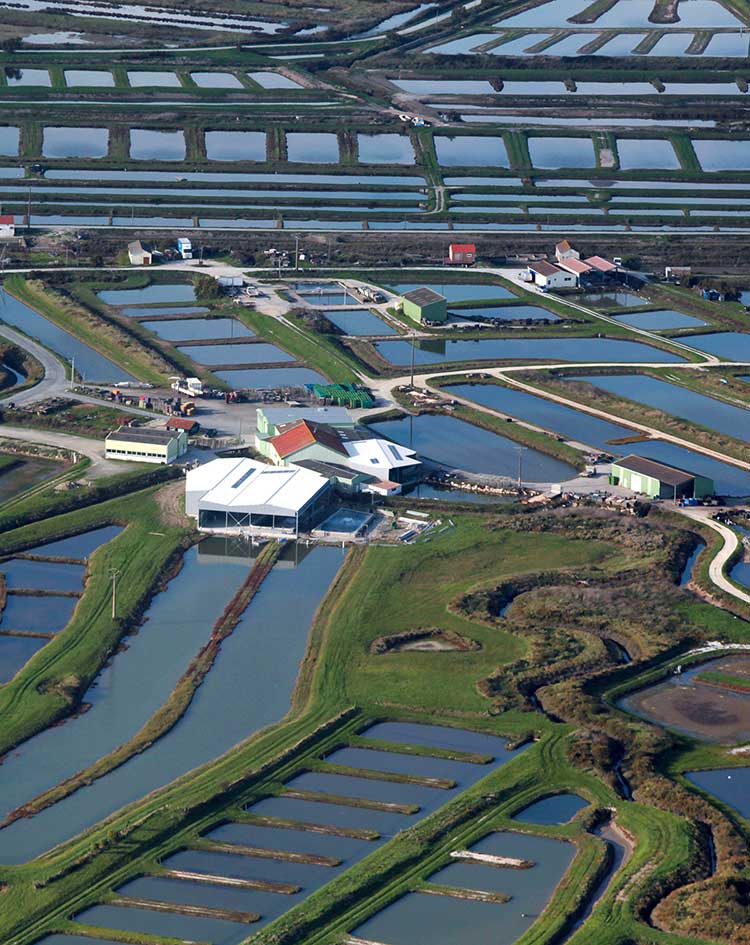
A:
660,320
543,349
149,145
193,329
457,291
40,614
97,78
471,151
42,575
238,866
331,815
9,138
678,401
385,149
562,152
391,762
155,78
441,736
648,153
236,145
216,80
552,811
273,80
209,895
723,155
256,353
455,443
309,147
291,841
75,142
369,789
507,313
331,295
359,321
271,378
138,311
171,924
15,76
166,292
730,345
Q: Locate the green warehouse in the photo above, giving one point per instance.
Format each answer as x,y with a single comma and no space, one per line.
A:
659,481
424,305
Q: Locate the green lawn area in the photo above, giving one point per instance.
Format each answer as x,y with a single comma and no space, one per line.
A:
411,587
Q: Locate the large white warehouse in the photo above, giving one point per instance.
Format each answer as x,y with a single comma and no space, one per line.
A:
228,496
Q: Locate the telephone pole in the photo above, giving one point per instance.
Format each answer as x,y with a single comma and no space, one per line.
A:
520,450
113,572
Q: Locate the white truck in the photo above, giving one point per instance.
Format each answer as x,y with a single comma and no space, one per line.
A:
192,386
185,247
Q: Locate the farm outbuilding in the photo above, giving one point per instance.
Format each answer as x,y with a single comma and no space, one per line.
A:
139,255
230,496
425,305
658,480
145,445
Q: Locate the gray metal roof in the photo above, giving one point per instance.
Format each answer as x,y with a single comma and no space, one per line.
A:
423,296
144,435
669,475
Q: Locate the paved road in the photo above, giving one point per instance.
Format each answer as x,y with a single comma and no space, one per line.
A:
54,382
93,449
717,565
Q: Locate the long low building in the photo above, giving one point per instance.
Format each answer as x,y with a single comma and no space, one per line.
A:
658,480
231,496
145,445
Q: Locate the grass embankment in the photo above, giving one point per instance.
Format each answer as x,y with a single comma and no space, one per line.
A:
588,394
167,715
320,352
50,685
106,338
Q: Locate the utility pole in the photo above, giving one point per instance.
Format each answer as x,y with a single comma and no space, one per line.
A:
520,450
73,372
413,352
113,572
296,253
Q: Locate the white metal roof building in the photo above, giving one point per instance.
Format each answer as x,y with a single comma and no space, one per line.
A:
382,459
228,496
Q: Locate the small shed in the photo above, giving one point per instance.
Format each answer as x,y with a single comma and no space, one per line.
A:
138,254
462,254
659,480
183,423
7,226
425,305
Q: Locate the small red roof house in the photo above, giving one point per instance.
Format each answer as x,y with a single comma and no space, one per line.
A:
7,226
600,264
462,254
318,440
183,423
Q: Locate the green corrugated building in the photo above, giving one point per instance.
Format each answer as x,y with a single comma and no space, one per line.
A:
658,480
425,305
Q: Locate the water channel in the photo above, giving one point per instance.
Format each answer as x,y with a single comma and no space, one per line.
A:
247,688
89,364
